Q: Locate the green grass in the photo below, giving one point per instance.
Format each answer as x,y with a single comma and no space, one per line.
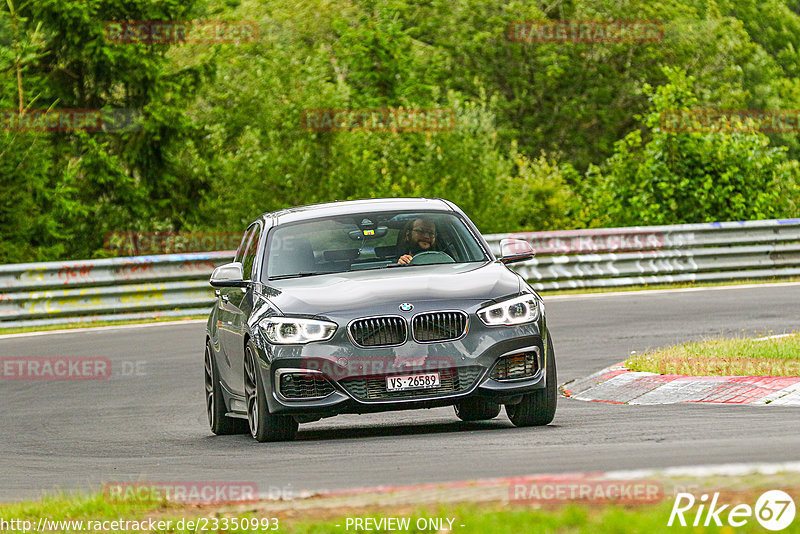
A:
491,518
97,324
64,507
677,285
724,357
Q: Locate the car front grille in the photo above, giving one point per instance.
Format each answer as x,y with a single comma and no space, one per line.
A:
452,381
304,386
523,365
439,326
379,331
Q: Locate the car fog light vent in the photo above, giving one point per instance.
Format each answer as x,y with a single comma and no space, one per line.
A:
304,386
521,365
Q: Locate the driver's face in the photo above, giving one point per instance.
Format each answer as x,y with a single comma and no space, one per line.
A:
423,234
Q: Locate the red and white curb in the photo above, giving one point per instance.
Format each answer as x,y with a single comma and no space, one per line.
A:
619,385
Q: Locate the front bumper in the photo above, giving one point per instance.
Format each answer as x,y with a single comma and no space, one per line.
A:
357,375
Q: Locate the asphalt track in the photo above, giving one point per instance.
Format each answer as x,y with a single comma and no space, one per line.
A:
150,424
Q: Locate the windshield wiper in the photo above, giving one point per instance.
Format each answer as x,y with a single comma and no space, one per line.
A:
300,275
375,267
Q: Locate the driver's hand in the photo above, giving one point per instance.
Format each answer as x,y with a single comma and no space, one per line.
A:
405,259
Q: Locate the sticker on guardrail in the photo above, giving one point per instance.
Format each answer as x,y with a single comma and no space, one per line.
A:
591,241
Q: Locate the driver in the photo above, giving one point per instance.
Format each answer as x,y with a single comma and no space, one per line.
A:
420,236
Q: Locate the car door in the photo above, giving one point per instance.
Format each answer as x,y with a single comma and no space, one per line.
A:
226,322
239,305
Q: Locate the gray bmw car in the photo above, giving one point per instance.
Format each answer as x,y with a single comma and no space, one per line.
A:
373,305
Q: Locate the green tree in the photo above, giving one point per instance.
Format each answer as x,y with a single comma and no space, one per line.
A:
88,184
688,177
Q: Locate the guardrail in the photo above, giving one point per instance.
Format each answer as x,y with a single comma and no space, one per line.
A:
177,284
107,289
615,257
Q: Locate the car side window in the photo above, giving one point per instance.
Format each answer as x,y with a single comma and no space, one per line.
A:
250,253
243,244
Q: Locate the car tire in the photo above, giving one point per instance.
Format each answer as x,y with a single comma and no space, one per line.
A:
264,426
476,409
538,408
220,423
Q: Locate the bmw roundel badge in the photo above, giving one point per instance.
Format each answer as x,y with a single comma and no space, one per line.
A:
406,306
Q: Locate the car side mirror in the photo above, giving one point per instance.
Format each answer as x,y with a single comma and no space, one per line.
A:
514,250
228,275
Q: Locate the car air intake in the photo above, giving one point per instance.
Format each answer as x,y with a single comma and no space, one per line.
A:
379,331
453,381
523,365
439,326
304,386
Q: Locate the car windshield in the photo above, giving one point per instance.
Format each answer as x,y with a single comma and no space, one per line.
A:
369,241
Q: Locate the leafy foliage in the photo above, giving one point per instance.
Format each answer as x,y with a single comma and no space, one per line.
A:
690,177
547,135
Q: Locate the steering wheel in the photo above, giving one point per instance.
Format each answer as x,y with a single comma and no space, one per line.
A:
431,256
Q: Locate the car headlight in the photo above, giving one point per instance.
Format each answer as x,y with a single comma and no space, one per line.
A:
518,310
295,331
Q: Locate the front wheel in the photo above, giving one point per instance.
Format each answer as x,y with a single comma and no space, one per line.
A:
220,423
538,408
264,426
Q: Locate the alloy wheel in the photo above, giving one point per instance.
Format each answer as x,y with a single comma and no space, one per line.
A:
251,391
209,380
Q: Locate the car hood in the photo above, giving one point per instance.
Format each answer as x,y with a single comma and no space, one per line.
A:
358,290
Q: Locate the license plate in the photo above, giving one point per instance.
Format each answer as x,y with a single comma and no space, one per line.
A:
407,382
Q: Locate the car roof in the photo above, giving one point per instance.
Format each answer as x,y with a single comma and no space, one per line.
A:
345,207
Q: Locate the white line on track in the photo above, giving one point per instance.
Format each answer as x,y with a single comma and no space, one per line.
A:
665,291
102,328
737,469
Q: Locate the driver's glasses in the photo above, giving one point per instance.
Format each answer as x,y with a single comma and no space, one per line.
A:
429,233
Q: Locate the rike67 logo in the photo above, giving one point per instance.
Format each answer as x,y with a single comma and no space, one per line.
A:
774,510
